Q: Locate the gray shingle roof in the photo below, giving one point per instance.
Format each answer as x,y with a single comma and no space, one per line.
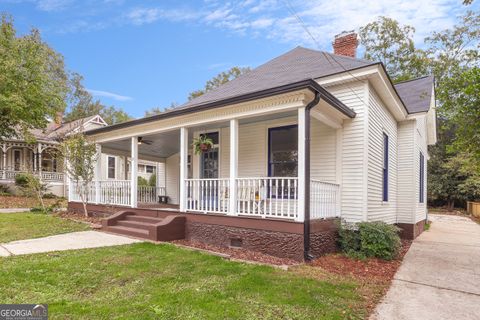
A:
296,65
416,94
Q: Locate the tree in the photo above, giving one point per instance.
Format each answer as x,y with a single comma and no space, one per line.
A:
81,104
81,158
218,80
158,110
31,185
33,81
461,102
387,41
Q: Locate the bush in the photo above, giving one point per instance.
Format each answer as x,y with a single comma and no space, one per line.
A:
5,190
142,182
370,239
152,181
49,195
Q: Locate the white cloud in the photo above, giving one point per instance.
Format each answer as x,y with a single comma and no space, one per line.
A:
111,95
53,5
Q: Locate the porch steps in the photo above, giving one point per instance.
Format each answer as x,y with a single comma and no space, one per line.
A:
169,226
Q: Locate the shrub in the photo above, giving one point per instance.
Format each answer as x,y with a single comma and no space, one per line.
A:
49,195
152,181
379,239
142,182
370,239
5,190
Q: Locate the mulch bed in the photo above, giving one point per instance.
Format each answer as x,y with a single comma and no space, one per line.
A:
372,268
239,254
79,217
10,201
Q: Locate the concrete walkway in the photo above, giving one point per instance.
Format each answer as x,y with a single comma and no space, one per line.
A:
14,210
440,275
61,242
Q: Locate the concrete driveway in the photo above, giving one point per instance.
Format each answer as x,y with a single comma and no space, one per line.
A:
440,275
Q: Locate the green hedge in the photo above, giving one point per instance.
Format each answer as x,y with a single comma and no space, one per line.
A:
370,239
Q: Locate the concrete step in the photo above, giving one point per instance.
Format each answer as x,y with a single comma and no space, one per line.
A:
134,224
134,232
143,219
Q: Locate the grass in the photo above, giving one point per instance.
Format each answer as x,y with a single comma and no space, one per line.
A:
18,226
149,281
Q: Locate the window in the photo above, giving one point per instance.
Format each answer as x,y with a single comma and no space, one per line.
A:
385,168
150,169
422,178
111,167
283,151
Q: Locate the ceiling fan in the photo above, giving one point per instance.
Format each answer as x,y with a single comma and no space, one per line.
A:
142,141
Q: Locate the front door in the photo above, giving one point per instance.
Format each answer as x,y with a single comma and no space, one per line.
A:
209,160
17,159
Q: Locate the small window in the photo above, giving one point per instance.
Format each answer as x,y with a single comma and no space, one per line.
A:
422,179
149,169
111,167
283,151
385,168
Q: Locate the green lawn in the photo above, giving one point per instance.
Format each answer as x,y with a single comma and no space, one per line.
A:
18,226
149,281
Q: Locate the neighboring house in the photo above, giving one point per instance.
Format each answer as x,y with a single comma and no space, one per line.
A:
301,139
19,155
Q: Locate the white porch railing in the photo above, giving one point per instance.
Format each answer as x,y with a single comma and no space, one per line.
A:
45,175
207,195
324,200
268,197
149,194
114,192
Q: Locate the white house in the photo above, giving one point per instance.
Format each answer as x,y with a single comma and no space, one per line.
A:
19,155
306,137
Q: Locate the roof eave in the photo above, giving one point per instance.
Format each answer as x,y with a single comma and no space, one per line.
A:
304,84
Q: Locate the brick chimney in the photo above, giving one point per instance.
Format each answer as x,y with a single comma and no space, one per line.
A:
346,44
58,119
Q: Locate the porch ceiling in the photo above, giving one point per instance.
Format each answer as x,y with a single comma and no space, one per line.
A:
162,145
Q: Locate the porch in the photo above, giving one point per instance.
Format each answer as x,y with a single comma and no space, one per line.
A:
19,157
256,168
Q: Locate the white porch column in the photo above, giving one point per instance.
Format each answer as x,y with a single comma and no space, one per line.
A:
125,167
183,167
4,161
301,165
133,172
98,172
40,161
232,207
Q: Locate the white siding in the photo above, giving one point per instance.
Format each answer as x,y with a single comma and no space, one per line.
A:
381,121
420,146
323,152
172,178
405,190
353,155
253,149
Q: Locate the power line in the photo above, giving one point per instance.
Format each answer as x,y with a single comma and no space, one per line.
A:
327,56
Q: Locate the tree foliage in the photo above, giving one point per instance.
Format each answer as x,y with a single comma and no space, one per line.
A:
158,110
31,185
218,80
81,104
387,41
33,81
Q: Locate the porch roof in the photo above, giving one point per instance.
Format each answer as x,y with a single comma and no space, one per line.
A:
309,84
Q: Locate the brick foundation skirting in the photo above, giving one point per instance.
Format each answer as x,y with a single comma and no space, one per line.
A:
280,238
410,231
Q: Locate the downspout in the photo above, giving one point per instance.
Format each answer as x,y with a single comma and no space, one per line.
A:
306,222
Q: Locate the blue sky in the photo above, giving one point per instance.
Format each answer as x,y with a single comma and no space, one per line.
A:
143,54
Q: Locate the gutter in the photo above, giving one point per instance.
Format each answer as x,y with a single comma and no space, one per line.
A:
306,221
304,84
